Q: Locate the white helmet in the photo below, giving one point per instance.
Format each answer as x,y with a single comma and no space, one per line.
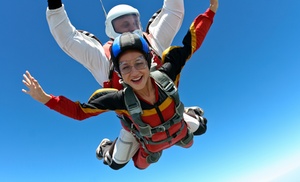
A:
116,12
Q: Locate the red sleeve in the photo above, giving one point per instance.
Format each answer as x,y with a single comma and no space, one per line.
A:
71,109
200,27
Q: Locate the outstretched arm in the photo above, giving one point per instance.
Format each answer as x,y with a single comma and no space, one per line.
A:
99,102
175,57
165,26
34,89
82,48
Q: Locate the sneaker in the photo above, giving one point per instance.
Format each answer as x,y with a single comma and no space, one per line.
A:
103,148
196,112
202,120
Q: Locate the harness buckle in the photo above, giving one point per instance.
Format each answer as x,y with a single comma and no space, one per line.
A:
146,131
170,88
134,108
160,128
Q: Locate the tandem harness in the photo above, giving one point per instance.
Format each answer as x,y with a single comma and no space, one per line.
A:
144,131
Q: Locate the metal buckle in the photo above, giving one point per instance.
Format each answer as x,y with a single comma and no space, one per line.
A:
160,128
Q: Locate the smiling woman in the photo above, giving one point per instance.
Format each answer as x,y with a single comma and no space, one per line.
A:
131,49
137,76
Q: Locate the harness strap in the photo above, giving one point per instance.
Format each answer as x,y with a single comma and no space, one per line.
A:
151,142
145,140
166,84
134,107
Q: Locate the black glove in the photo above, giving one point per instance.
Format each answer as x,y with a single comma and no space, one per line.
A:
54,4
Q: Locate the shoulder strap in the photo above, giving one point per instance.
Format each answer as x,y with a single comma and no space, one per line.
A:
166,84
135,110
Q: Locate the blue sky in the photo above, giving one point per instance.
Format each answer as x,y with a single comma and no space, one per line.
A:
245,76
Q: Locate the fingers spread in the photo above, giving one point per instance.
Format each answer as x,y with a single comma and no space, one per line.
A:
25,91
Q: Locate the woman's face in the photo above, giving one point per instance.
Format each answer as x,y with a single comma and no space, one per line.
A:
134,69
